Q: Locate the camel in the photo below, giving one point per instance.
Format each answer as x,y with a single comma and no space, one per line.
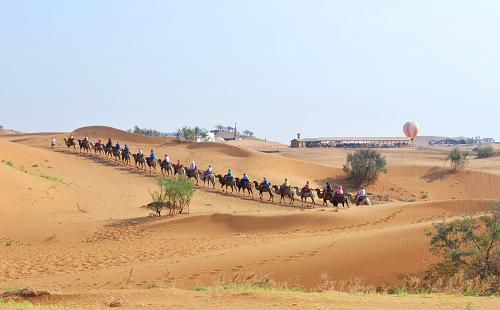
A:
108,150
323,195
283,191
361,201
117,153
264,188
70,143
192,173
151,163
139,160
337,199
208,178
97,147
241,186
126,157
304,195
84,144
166,168
179,170
228,182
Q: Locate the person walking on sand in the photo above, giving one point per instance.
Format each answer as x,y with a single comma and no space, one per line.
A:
52,142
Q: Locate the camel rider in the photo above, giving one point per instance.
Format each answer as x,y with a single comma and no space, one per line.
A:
306,187
245,179
265,182
210,171
339,190
152,155
361,193
193,166
229,174
179,164
329,189
109,142
286,183
99,142
125,148
166,159
86,139
71,139
140,153
117,145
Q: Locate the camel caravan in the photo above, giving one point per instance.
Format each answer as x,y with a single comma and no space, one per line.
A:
238,186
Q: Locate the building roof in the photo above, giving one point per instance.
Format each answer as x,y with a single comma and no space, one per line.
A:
340,139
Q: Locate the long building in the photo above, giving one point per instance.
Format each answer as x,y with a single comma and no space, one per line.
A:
352,142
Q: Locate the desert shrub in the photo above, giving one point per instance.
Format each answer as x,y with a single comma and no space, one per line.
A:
458,159
174,194
484,151
364,166
469,249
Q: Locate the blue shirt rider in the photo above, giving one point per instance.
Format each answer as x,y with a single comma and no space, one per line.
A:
265,182
126,148
229,173
245,179
117,145
152,155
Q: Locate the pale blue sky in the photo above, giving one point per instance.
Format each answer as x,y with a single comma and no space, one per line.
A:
322,68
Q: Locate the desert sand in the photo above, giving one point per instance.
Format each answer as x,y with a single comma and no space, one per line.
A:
72,223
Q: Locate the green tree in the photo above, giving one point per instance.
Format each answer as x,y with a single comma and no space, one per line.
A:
469,245
145,131
484,151
193,134
364,166
248,133
174,194
458,159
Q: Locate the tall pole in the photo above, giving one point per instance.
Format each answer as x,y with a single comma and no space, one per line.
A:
235,130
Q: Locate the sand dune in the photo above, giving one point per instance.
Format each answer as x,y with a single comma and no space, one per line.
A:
95,244
104,132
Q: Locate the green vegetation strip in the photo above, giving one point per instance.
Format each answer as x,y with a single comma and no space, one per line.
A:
41,175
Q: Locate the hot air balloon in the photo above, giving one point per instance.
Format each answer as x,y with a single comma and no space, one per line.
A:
411,129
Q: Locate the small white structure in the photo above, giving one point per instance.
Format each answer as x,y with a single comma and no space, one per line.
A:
209,138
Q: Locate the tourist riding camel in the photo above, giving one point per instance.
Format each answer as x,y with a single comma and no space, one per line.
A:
166,160
306,188
264,186
152,155
210,170
339,191
229,176
208,176
361,197
192,167
285,190
245,180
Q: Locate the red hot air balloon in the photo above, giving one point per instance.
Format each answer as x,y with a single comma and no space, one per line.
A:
411,129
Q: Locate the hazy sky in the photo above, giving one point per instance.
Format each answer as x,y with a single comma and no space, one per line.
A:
322,68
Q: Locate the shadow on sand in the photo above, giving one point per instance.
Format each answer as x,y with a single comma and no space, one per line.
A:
438,174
